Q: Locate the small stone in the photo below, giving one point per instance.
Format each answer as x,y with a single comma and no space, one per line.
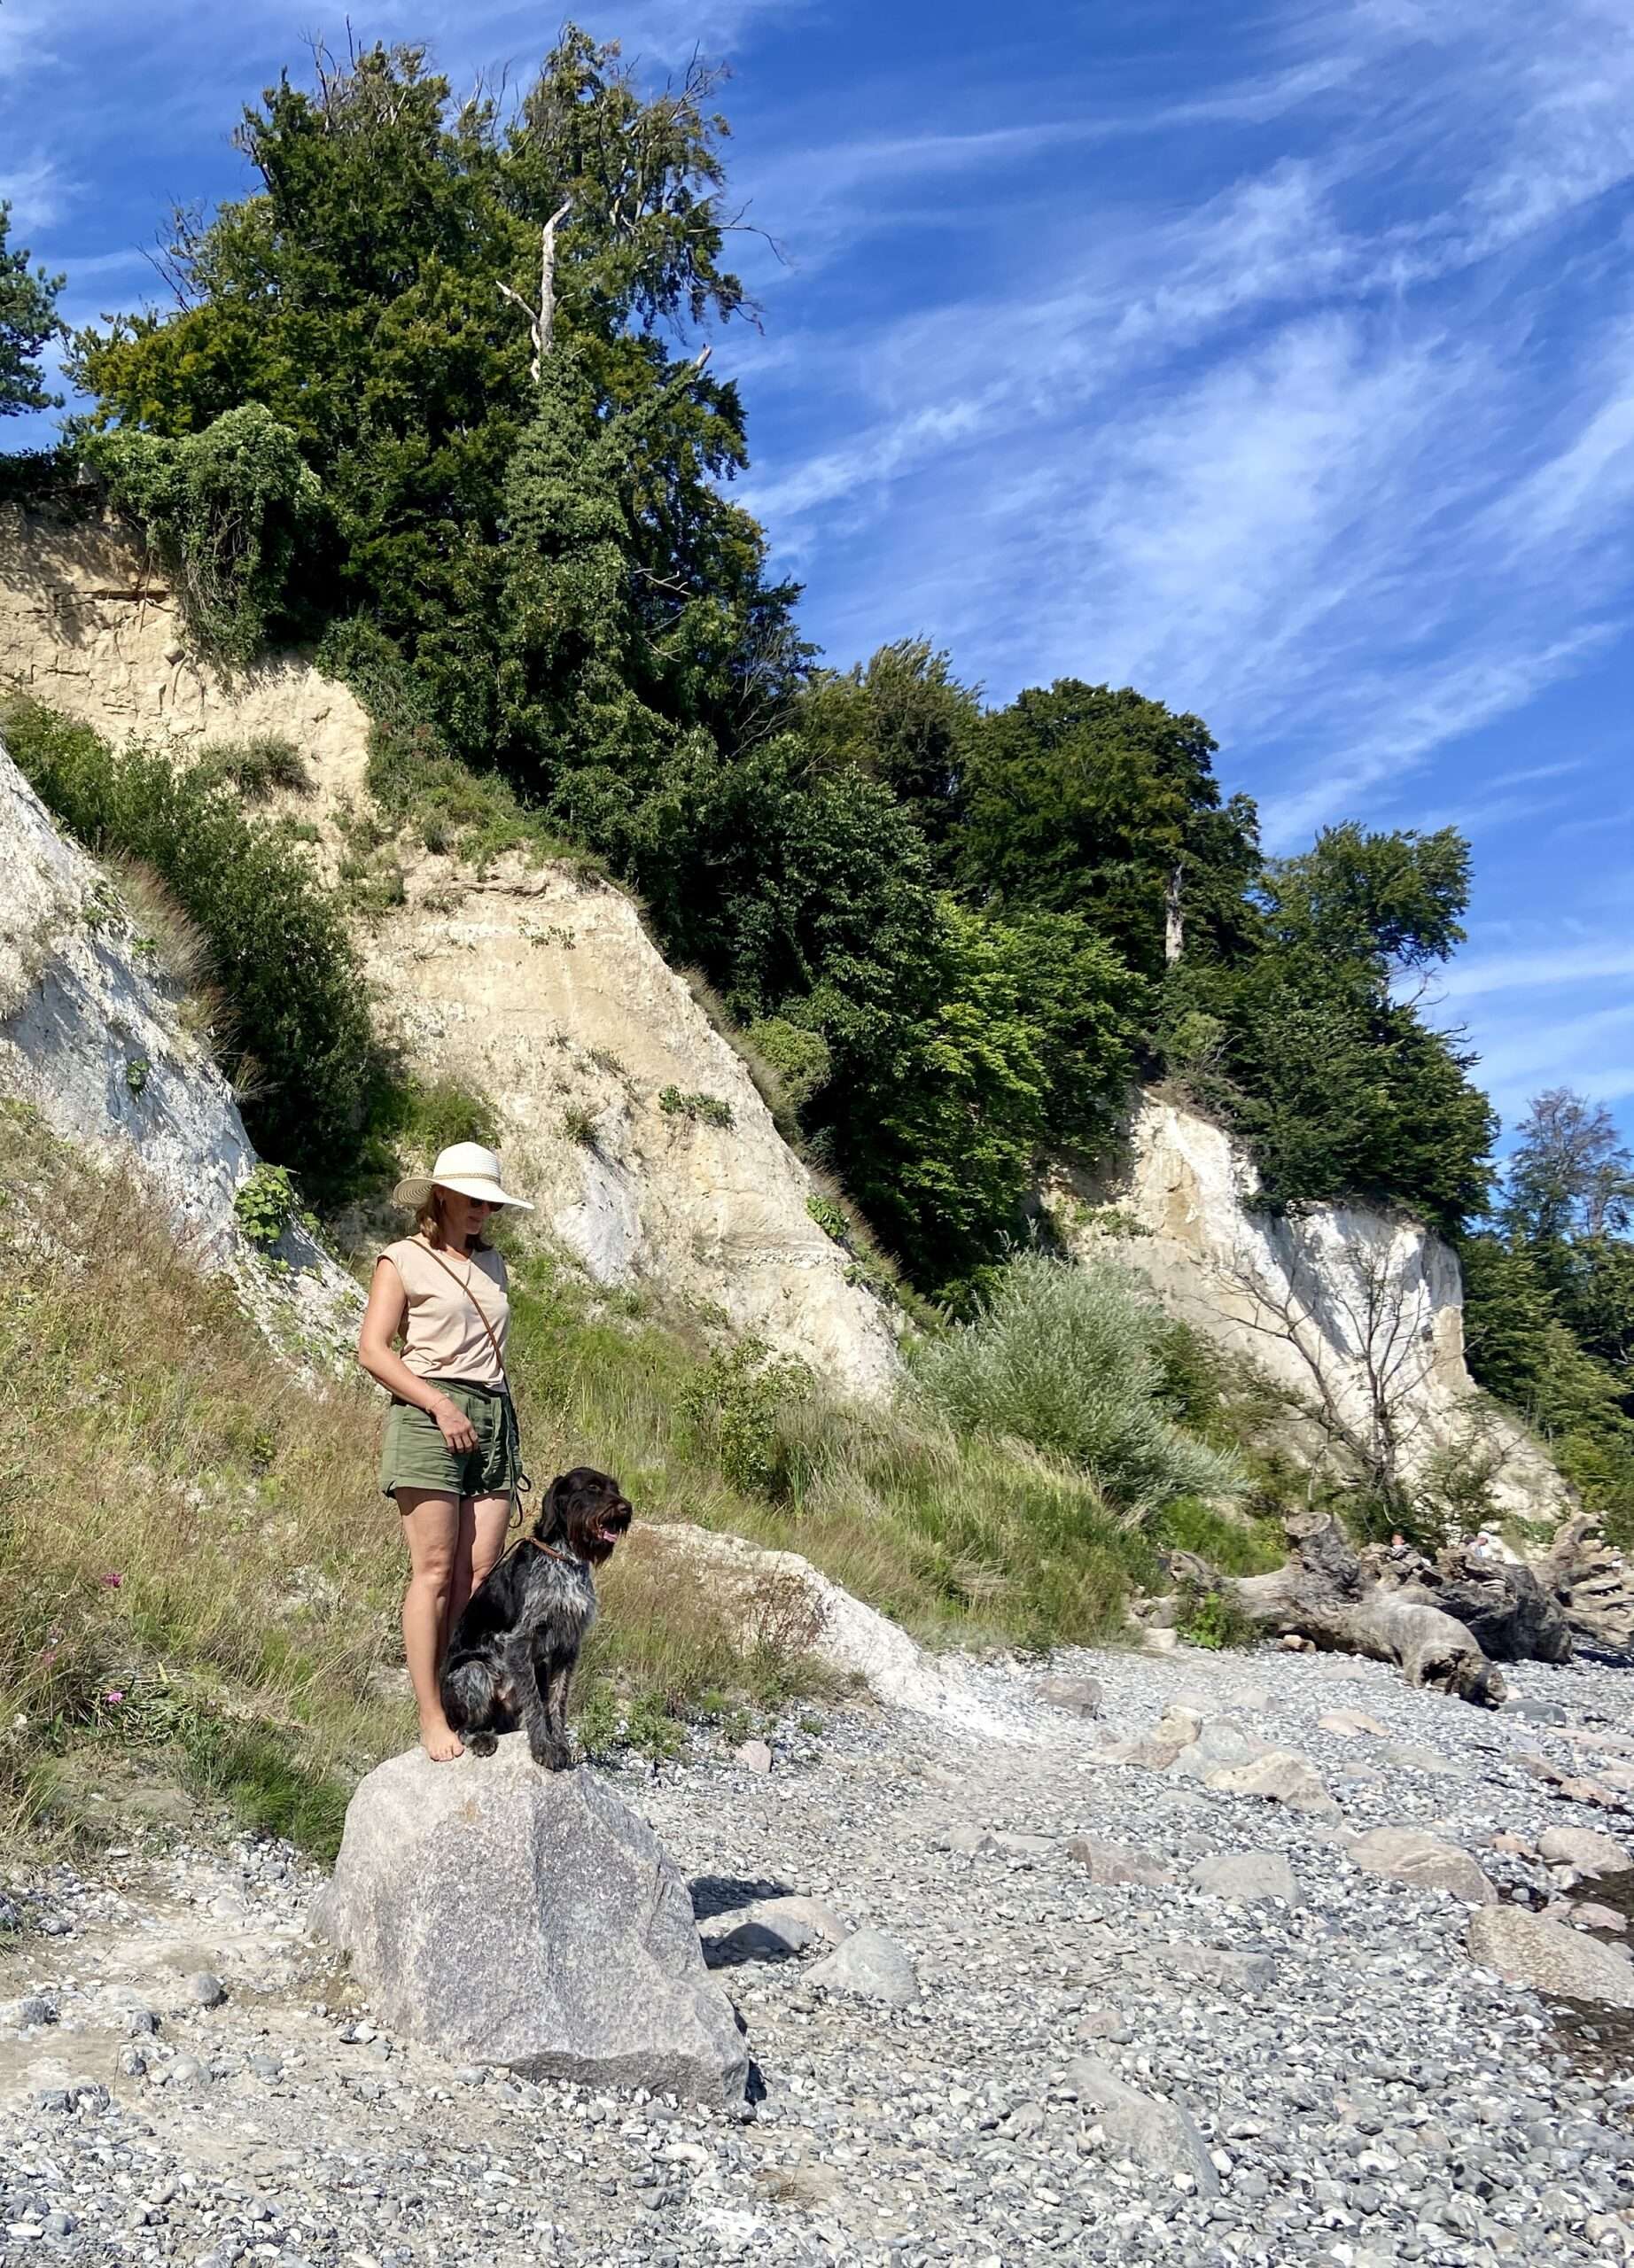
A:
1404,1854
207,1989
1351,1724
1278,1776
1291,1643
1228,1972
1536,1712
1516,1846
1179,1727
1162,1642
967,1840
32,2008
1248,1877
469,2075
141,2024
872,1967
1527,1948
1159,2135
1540,1769
187,2071
1591,1915
753,1755
132,2063
60,2225
1079,1697
1579,1790
88,2095
1584,1848
1114,1864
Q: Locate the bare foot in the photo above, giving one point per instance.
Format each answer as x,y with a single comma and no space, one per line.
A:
441,1742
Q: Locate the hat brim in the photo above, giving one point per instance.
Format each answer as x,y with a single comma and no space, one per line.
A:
416,1189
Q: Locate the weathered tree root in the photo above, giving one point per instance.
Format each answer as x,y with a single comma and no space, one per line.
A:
1325,1594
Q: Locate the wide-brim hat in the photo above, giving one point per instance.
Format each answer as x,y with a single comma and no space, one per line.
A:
466,1167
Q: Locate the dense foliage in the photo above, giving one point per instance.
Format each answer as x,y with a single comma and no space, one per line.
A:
28,323
294,1034
447,351
1549,1297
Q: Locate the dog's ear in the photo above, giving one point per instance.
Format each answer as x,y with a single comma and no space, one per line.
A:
553,1512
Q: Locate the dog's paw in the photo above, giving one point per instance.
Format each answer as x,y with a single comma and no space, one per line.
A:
554,1756
480,1743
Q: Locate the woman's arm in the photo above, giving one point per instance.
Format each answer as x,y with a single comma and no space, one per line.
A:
383,1321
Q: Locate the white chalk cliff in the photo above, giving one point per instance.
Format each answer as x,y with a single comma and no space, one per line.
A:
1353,1313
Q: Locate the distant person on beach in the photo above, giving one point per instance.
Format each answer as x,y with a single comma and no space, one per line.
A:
451,1455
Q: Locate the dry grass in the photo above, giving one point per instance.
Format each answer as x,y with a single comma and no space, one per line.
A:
196,1568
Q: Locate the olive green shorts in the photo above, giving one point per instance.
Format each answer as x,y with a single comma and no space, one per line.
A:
414,1454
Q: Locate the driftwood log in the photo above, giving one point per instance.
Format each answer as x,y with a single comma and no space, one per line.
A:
1593,1583
1511,1614
1326,1595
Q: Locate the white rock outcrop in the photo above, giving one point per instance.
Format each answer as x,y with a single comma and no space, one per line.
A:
1341,1305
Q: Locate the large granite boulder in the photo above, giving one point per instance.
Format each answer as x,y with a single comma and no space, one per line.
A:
506,1916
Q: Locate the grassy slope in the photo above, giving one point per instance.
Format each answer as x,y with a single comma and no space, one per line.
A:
187,1527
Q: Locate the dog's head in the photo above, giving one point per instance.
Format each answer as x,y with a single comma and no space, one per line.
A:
589,1509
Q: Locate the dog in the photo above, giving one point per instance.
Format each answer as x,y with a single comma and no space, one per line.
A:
511,1654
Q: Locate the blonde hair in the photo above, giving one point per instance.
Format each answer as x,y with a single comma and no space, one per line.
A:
428,1223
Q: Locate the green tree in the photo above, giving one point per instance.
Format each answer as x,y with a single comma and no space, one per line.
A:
360,295
902,719
28,323
1083,800
1339,1085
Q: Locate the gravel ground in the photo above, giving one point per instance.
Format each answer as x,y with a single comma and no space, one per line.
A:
1354,2089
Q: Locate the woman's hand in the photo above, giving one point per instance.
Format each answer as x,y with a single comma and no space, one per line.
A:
455,1426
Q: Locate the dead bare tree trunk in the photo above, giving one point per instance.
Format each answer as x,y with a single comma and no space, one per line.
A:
1373,1328
1324,1594
1174,917
541,321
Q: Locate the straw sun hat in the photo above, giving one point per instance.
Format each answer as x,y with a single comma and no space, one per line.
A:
467,1168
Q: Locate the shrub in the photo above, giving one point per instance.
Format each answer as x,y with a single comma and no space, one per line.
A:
1068,1360
578,1125
301,1052
734,1401
257,766
800,1059
226,509
710,1110
264,1204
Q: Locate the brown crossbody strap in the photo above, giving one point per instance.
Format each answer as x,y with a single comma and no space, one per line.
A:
519,1482
482,1317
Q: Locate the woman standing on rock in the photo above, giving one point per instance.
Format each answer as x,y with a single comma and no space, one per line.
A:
451,1455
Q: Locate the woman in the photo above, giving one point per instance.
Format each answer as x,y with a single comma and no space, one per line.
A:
450,1454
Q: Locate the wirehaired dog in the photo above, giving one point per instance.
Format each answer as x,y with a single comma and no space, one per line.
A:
511,1653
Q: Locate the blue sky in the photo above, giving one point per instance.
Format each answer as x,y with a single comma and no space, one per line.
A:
1277,359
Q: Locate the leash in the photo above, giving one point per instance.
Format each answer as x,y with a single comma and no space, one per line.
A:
517,1483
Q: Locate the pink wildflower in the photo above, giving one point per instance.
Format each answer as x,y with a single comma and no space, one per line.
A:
112,1582
113,1695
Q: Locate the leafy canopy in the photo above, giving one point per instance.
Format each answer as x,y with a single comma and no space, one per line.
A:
28,323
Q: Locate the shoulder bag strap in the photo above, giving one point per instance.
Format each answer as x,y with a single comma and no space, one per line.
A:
519,1479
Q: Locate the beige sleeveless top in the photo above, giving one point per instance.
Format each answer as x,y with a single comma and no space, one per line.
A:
443,1337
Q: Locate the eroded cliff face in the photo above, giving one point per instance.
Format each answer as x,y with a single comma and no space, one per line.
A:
1357,1316
89,626
94,1036
532,984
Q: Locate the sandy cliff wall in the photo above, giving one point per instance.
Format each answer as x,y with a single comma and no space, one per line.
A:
1343,1307
532,986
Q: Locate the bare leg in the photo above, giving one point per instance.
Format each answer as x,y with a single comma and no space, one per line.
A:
431,1529
482,1539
